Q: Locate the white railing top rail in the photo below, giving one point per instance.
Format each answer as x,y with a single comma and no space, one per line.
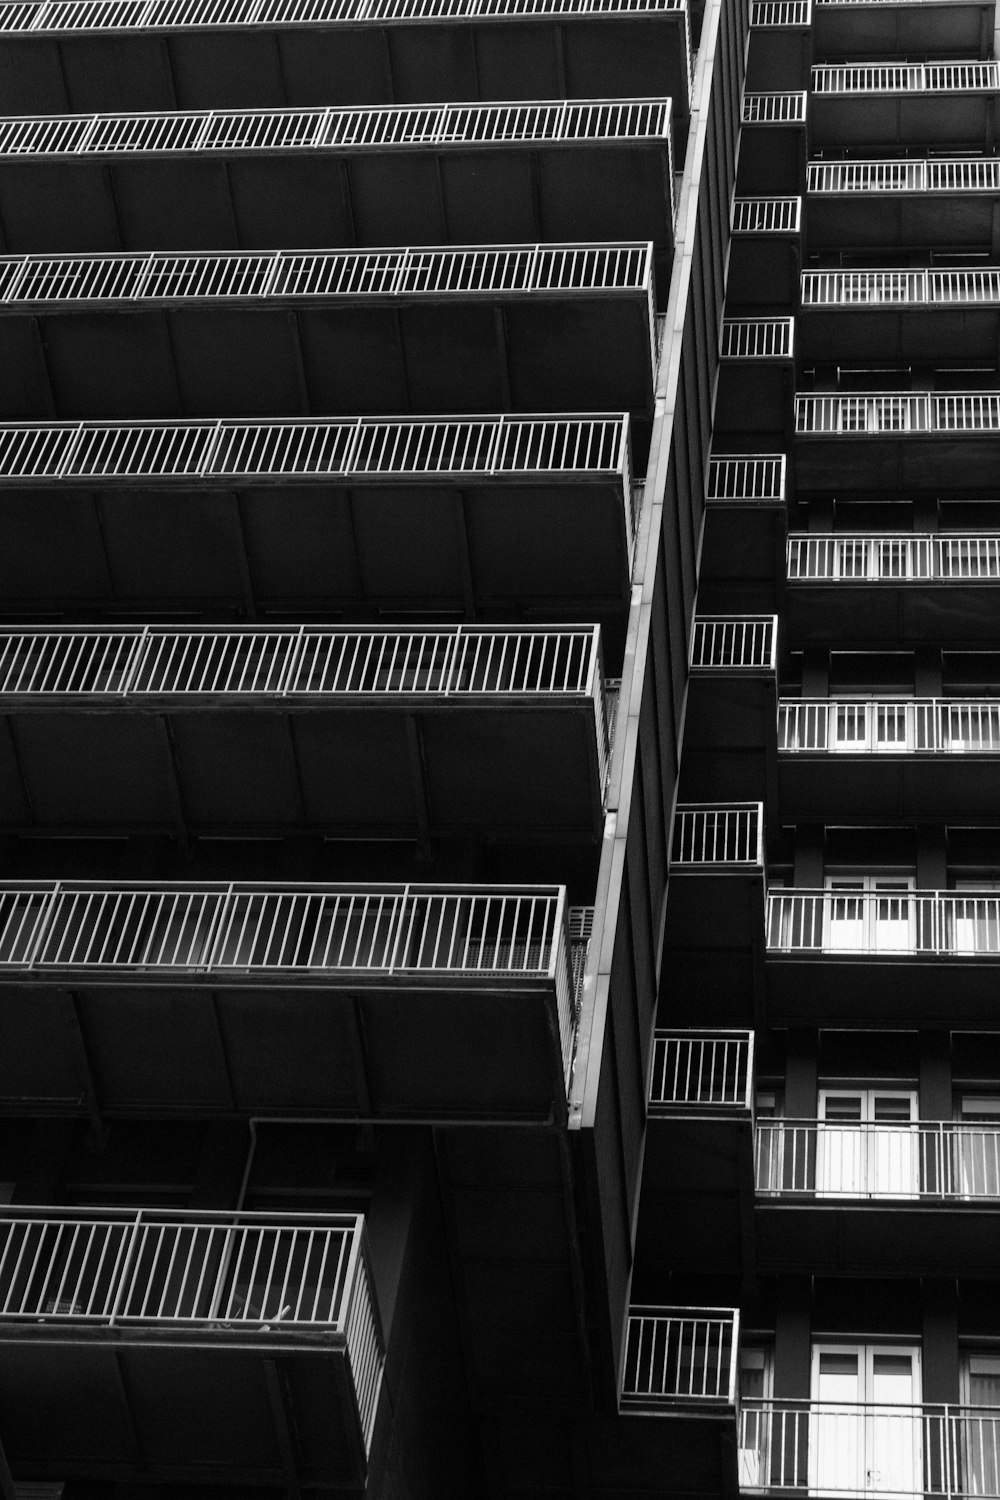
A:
893,558
962,174
982,4
938,288
702,1070
893,921
325,275
767,215
746,476
757,338
902,1161
787,107
906,78
366,128
889,726
780,15
734,643
708,836
898,413
34,17
681,1356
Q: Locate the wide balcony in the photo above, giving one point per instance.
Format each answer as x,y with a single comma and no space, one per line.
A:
756,376
896,440
765,252
731,705
192,1346
370,514
871,951
895,589
903,202
866,105
236,54
373,1002
478,328
918,316
903,28
772,143
432,732
320,178
831,1197
855,1449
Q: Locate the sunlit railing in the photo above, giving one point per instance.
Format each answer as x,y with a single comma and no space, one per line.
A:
784,108
824,558
903,1162
902,288
779,15
906,78
931,726
680,1357
904,175
884,922
217,1275
758,338
746,643
747,476
706,836
368,128
853,1450
900,412
767,215
701,1071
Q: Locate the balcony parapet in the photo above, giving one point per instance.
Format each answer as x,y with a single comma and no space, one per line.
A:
946,289
31,17
767,216
975,174
713,838
731,644
914,1162
758,339
894,560
889,923
866,79
742,478
921,726
702,1073
781,15
681,1359
898,414
777,108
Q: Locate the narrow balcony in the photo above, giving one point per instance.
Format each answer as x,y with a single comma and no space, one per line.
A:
239,54
896,440
903,203
863,1449
457,730
373,514
874,952
900,316
756,377
917,1198
903,758
772,143
866,105
426,1002
780,44
731,704
893,589
765,252
192,1346
317,178
903,28
697,1173
476,328
744,523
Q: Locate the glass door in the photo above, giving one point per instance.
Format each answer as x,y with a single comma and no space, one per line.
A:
867,1145
864,1434
755,1429
869,914
976,919
980,1435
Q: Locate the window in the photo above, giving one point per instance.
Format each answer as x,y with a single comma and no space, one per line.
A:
756,1385
869,914
977,1143
980,1445
859,1442
975,920
867,1145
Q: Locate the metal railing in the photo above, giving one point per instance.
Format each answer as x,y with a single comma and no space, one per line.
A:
898,175
767,215
695,1070
860,1450
747,476
900,412
784,108
357,275
680,1356
780,15
906,78
824,558
213,1273
886,922
904,1162
744,643
928,288
709,836
919,726
758,338
368,128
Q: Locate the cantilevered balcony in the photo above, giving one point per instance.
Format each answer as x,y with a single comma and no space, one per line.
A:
765,252
744,523
871,951
756,377
900,316
893,588
188,1346
904,203
905,440
506,731
474,516
904,758
876,1197
903,28
318,178
373,1002
697,1169
772,143
781,46
242,54
866,105
480,328
730,707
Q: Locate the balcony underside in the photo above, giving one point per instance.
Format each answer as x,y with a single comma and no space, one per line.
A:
943,221
450,547
772,161
404,770
712,943
876,993
697,1183
921,29
898,461
742,555
897,1238
583,352
476,1050
890,616
871,120
754,398
883,788
918,333
763,272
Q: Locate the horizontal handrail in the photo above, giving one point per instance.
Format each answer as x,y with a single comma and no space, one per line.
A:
899,288
767,215
746,643
747,476
962,174
885,558
938,726
708,1070
706,836
677,1356
787,107
898,413
368,128
906,78
780,15
757,338
886,922
900,1161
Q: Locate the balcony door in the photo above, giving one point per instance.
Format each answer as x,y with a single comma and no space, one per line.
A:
976,919
869,914
977,1141
866,1145
864,1436
981,1425
883,727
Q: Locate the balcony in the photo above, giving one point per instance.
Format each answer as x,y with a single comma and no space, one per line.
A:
863,105
900,316
240,54
188,1346
855,1449
772,143
744,523
372,1002
877,953
764,252
756,376
916,1198
697,1170
321,178
432,732
896,440
318,516
488,328
903,28
780,48
903,203
730,706
906,758
893,589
